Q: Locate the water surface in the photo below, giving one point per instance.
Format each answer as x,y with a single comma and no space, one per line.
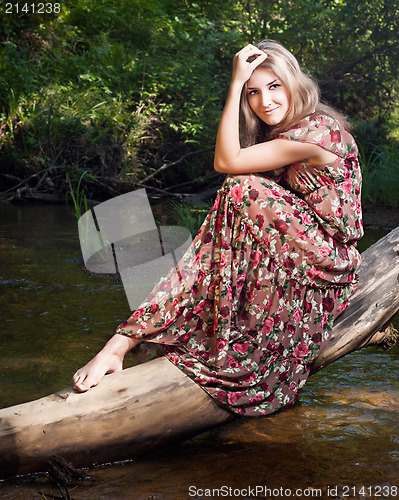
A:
54,317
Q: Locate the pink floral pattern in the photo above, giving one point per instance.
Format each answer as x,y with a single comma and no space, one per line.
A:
275,264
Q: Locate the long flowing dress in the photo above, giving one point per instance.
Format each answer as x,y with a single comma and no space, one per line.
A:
275,263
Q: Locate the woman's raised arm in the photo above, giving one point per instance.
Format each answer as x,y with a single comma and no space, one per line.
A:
230,157
228,136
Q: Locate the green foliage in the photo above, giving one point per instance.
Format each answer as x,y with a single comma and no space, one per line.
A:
190,217
118,88
78,196
381,175
351,46
379,161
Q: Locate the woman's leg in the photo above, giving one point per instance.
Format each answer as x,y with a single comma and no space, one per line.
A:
108,360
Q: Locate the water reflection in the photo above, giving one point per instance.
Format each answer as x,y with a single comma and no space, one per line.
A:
54,317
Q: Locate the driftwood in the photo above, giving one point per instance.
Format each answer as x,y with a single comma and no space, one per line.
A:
47,187
153,404
174,163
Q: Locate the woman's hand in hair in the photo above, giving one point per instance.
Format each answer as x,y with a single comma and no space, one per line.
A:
245,62
228,145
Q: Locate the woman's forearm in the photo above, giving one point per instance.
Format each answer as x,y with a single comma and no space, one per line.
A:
228,137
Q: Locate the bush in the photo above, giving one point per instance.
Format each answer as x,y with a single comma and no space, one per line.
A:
121,88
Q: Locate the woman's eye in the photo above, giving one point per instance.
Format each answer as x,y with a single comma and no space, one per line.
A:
274,86
252,92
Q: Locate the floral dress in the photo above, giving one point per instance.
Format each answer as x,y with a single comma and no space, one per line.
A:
276,262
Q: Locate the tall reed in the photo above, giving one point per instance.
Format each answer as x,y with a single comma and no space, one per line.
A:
78,196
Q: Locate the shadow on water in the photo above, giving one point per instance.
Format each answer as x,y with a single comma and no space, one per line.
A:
54,317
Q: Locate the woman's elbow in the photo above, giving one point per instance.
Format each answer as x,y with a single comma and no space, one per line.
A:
222,167
218,166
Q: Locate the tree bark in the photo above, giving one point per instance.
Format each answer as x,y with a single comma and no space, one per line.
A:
153,404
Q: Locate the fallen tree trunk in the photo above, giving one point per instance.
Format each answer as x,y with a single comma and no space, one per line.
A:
153,404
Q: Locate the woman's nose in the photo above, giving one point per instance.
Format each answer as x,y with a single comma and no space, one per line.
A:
265,99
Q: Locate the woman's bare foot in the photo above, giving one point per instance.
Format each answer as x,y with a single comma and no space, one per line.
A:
108,360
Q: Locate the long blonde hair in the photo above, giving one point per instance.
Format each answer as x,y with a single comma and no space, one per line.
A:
303,92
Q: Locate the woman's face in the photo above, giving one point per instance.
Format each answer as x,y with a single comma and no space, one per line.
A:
268,96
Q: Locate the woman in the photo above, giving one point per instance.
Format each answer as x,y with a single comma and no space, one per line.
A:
276,256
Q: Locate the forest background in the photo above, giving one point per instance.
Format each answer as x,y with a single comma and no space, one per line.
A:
105,96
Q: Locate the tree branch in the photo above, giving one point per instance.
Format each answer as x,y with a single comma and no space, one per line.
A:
352,64
173,163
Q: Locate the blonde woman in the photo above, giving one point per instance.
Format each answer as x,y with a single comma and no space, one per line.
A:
276,257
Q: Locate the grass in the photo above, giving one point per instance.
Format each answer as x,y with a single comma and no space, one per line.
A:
381,175
78,196
190,217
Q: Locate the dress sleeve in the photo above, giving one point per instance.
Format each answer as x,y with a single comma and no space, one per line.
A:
323,131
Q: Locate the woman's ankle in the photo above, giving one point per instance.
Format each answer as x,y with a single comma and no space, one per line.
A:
119,345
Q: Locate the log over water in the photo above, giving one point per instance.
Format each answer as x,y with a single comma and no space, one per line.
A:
153,404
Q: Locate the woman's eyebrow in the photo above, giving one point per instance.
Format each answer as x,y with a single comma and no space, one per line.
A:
267,84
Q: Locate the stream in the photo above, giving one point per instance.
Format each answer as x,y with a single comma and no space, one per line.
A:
341,440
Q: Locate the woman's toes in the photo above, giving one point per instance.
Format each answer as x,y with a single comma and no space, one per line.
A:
81,385
80,382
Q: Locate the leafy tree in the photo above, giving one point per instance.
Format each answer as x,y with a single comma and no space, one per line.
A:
350,45
120,88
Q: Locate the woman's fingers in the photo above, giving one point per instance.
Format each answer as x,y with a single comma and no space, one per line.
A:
251,54
256,59
251,50
249,47
246,61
